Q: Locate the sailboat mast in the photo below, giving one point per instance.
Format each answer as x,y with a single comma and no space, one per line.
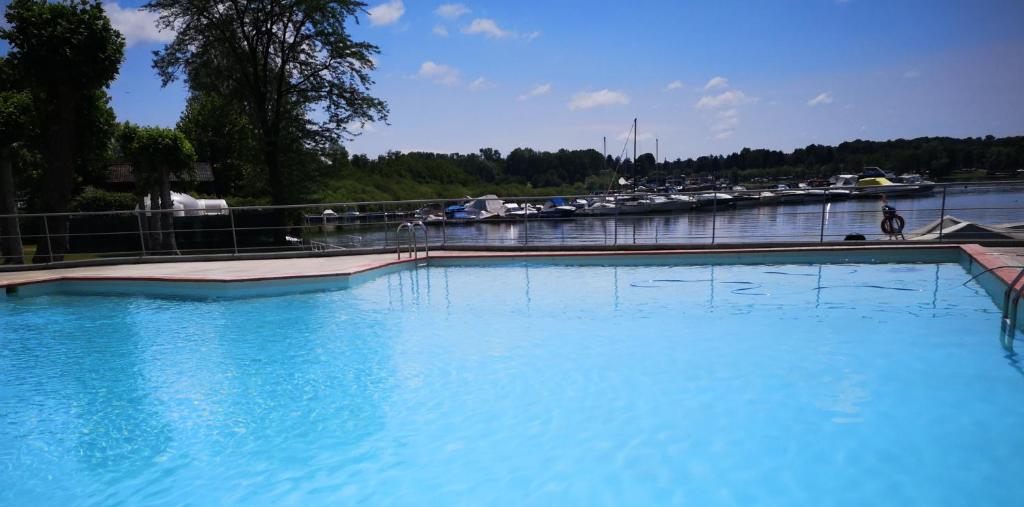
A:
634,155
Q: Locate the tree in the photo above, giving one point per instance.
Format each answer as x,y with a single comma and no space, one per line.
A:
15,128
222,135
157,154
280,61
65,55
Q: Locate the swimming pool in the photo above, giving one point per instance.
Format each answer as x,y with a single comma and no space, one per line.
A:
522,383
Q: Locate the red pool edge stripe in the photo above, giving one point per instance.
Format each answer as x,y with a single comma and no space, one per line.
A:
976,252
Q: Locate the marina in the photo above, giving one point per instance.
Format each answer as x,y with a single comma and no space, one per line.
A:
748,221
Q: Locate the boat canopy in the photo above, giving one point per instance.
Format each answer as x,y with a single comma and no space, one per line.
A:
873,182
489,203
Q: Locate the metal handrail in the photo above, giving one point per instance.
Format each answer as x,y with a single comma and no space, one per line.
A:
225,211
233,235
1009,290
412,227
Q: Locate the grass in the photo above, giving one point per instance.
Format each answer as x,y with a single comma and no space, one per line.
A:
30,251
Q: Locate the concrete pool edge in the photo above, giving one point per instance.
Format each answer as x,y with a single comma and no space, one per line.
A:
279,276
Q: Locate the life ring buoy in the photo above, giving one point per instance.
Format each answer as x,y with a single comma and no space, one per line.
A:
893,224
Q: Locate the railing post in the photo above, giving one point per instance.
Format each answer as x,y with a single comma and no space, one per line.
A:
714,216
821,236
385,227
142,235
234,237
615,229
444,224
526,224
942,213
49,246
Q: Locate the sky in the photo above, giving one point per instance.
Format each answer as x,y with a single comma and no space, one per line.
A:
702,77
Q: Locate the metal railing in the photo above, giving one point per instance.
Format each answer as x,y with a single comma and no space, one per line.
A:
413,239
368,226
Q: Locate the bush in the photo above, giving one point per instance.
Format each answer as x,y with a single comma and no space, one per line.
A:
94,199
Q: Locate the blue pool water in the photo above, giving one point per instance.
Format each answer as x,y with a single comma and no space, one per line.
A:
522,384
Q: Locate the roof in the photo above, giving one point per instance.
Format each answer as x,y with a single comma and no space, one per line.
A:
123,173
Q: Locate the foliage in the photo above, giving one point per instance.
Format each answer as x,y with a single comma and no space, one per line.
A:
94,199
279,61
937,156
64,55
222,135
155,150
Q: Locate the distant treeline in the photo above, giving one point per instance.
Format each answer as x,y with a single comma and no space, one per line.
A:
525,171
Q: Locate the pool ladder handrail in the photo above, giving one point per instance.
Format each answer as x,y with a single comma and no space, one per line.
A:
412,251
1010,307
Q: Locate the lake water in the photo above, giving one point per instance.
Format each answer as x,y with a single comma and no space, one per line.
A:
789,222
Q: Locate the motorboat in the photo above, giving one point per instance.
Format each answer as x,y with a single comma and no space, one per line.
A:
557,208
526,210
745,200
786,195
635,206
481,208
601,208
874,187
713,200
917,180
668,204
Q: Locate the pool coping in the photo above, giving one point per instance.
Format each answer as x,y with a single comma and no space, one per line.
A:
365,263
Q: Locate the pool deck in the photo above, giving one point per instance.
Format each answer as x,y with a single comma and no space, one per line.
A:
309,267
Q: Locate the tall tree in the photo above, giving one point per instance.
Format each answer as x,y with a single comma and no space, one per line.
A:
281,61
222,135
66,54
157,154
15,128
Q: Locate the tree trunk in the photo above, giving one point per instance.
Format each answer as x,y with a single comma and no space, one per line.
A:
167,219
155,237
278,193
10,244
58,175
140,204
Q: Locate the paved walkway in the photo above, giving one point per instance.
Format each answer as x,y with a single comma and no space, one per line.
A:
270,269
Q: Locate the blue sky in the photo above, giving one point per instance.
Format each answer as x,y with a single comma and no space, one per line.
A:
703,77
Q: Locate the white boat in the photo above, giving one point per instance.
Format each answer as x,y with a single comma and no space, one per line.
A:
481,208
601,208
713,200
526,210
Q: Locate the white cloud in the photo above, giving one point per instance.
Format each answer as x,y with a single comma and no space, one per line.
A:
439,74
726,121
386,13
822,98
730,98
487,27
532,35
440,31
480,83
725,134
138,26
451,11
716,82
600,98
540,89
674,85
